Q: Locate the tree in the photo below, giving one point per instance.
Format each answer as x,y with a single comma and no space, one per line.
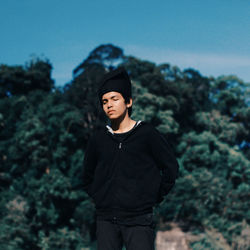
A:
18,80
44,131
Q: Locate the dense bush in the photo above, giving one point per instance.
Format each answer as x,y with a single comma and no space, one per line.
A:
44,131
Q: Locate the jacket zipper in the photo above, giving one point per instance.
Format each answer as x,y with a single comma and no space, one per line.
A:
119,148
120,143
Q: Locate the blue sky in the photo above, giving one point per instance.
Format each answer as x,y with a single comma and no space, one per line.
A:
210,36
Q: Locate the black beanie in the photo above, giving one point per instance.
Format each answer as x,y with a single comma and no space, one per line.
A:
118,81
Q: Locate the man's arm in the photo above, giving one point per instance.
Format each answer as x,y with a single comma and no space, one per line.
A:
89,164
165,161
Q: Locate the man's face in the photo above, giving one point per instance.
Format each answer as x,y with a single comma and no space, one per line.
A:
114,105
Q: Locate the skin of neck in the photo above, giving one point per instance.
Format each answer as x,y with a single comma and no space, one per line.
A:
123,123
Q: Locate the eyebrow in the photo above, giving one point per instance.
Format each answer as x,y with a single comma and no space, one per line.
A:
110,97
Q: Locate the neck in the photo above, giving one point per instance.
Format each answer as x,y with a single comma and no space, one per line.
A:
122,124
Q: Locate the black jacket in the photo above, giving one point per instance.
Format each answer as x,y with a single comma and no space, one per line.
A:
128,177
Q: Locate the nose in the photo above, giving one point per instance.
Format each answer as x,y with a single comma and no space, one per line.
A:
109,104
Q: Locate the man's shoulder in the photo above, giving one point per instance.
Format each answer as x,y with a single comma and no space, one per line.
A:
147,127
151,131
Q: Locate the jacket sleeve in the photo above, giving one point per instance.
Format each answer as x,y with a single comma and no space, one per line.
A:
166,162
89,164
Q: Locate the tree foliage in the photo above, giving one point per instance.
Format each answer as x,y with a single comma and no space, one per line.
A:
44,132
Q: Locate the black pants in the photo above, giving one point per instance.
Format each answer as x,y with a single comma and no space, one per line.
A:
112,236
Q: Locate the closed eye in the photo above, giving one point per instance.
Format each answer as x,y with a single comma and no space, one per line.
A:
113,98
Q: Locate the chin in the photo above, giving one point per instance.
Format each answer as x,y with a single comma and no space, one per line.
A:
114,117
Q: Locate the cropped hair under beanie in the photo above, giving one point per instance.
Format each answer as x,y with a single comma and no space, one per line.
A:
118,81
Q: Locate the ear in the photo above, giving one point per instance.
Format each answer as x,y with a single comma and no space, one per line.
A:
130,103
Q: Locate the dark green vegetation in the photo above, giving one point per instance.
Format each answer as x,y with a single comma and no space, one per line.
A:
44,131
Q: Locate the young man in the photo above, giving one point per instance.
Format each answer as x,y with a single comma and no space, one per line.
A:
128,169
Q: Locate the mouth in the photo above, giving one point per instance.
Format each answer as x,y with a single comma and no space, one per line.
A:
111,111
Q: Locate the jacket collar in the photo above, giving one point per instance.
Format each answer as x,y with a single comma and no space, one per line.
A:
110,130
